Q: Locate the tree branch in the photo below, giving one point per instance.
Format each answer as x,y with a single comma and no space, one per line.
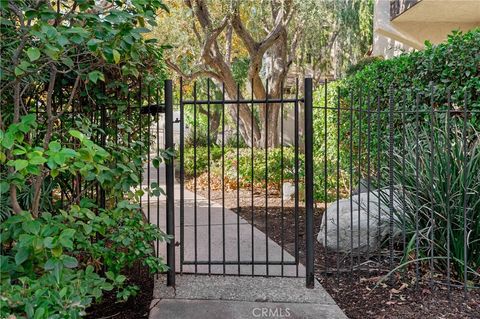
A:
243,34
37,185
193,75
228,45
211,37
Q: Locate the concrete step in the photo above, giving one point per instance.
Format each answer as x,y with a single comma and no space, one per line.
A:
227,309
226,297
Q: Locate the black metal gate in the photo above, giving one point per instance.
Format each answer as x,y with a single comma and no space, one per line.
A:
236,158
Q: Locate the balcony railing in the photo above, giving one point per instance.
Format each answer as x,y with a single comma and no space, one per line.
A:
397,7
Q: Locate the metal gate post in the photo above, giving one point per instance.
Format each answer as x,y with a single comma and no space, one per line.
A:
170,180
308,103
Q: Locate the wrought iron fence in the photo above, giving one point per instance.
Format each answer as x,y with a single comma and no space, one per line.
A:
386,181
398,177
240,249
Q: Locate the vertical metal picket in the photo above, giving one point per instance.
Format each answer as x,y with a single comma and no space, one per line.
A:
308,107
182,178
170,180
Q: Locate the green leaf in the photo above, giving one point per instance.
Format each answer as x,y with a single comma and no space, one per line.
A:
52,52
33,54
63,41
29,309
8,140
87,229
116,56
31,227
50,264
94,76
70,262
67,61
120,279
57,271
156,162
4,187
54,173
65,238
107,286
20,164
54,146
19,151
90,214
93,44
18,71
68,152
21,255
37,160
39,313
29,119
59,158
48,242
110,275
57,251
77,134
67,233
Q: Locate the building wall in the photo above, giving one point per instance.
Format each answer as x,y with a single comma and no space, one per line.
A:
430,20
382,44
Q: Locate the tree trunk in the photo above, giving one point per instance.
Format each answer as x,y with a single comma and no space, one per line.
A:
262,133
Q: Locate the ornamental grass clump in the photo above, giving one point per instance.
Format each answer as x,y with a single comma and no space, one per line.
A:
440,174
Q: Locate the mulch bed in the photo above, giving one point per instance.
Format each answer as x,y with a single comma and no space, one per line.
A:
359,294
135,307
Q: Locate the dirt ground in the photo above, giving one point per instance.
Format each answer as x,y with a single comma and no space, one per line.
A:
135,307
357,292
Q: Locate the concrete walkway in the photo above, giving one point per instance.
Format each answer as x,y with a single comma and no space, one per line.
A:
226,297
230,297
230,236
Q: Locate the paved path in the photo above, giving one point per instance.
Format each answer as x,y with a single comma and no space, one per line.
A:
224,223
233,297
229,297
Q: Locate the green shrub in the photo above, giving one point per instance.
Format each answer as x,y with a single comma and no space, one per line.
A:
263,163
56,265
453,66
362,64
245,164
438,185
71,155
57,261
199,161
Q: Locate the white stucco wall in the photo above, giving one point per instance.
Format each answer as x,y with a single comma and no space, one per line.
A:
430,20
384,45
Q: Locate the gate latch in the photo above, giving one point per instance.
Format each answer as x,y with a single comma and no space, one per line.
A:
153,109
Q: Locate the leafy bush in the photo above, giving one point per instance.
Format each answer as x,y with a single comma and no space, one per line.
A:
362,64
452,67
245,164
199,161
56,261
54,266
271,162
443,191
71,154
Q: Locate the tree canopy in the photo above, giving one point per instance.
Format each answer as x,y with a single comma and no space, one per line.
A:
235,42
